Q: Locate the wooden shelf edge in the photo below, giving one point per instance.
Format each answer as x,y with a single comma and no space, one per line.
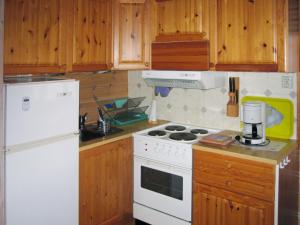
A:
12,69
131,1
178,37
179,66
268,67
89,67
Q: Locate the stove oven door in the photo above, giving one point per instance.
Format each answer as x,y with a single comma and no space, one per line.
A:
163,187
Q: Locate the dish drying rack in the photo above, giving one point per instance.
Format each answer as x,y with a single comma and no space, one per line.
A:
127,113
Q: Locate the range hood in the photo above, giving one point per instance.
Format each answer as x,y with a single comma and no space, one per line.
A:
184,79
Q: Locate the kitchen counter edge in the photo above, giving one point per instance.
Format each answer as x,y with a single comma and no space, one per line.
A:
127,133
243,152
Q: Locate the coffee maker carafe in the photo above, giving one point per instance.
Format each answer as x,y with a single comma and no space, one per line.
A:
253,117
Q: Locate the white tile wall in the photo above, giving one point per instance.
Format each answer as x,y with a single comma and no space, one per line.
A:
208,107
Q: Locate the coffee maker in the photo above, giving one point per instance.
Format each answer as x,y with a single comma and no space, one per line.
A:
253,117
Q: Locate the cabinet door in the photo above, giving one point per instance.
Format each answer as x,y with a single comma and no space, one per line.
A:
92,35
105,183
182,17
244,176
131,24
212,206
247,35
35,38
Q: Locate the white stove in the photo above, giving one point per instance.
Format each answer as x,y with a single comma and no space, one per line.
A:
178,133
163,173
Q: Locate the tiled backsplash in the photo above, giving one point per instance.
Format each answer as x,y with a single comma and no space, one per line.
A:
208,107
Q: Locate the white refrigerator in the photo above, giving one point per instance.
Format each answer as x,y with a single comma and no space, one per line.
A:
41,152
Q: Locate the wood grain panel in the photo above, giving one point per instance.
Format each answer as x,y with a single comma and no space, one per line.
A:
104,86
246,31
35,34
13,69
292,42
181,37
92,35
248,67
298,115
254,35
242,176
177,16
106,183
221,207
131,24
187,17
191,55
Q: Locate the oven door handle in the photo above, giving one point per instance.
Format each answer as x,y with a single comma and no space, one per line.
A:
158,165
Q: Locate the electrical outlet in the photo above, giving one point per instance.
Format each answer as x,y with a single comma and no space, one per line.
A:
287,82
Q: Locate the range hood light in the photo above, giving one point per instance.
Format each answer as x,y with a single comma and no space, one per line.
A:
184,79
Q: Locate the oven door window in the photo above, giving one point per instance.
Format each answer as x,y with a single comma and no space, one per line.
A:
161,182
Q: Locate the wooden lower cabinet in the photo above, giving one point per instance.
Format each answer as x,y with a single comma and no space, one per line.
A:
232,191
213,206
105,183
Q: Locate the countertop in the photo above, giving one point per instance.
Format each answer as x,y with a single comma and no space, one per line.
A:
235,150
128,131
246,152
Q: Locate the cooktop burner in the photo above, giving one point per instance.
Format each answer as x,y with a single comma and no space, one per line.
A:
183,136
175,128
199,131
158,133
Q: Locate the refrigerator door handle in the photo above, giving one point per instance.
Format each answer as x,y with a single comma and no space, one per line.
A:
24,147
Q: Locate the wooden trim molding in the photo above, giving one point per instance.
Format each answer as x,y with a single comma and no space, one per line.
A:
132,1
298,110
180,37
89,67
268,67
180,55
32,69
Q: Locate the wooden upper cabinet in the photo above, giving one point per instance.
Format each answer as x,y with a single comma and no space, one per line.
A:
131,31
251,35
177,17
35,38
92,35
187,22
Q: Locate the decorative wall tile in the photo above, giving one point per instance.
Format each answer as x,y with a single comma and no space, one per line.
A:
244,91
207,108
268,93
293,94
